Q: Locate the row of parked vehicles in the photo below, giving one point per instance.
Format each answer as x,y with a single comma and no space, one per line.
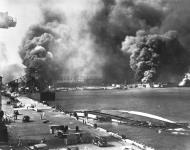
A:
43,146
97,140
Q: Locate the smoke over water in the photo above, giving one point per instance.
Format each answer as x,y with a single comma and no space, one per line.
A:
99,39
154,54
119,19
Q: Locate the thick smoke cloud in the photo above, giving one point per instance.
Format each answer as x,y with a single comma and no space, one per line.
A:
60,45
120,18
85,39
37,56
178,18
112,23
154,54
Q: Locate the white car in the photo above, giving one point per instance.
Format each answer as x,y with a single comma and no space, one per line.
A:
127,147
41,146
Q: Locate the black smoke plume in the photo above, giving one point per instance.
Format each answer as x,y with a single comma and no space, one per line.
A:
120,18
111,24
37,52
155,54
87,41
59,47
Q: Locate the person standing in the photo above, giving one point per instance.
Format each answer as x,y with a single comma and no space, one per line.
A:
43,115
15,115
43,140
66,140
19,142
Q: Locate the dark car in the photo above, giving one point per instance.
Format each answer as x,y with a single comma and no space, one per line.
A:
26,119
99,141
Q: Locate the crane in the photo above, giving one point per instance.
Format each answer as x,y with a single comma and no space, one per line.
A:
6,21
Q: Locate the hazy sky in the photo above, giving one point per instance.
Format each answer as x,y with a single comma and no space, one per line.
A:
26,13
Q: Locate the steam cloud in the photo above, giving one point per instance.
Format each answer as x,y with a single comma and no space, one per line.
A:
86,39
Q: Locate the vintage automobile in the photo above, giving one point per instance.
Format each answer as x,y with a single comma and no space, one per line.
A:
41,146
99,141
26,119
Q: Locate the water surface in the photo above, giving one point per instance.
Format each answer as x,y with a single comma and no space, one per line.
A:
170,103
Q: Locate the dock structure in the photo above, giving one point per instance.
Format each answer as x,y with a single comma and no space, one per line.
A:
161,124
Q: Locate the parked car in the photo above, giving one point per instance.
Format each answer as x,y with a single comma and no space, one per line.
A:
99,141
70,148
26,119
41,146
73,148
127,147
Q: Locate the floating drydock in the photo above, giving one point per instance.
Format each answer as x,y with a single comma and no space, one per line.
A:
161,123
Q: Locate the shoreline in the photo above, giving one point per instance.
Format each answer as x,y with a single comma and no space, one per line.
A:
39,106
33,131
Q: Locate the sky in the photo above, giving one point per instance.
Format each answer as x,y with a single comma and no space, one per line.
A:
26,14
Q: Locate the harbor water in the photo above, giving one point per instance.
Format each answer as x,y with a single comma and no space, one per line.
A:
170,103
